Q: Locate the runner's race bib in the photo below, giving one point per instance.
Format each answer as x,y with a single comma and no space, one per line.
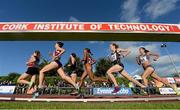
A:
113,57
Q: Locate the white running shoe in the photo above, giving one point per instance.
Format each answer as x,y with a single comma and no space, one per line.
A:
76,86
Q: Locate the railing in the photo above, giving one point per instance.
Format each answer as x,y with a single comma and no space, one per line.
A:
84,90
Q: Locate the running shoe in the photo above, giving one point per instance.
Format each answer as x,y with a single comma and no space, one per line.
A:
37,92
76,86
74,93
35,95
116,89
144,91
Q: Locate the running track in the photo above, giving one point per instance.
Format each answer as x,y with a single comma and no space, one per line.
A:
68,98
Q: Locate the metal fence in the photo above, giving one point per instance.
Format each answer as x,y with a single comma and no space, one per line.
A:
54,90
84,90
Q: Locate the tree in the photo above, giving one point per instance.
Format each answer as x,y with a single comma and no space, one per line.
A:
12,76
43,63
102,65
79,70
176,75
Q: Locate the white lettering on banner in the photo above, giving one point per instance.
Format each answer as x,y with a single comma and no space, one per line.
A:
167,90
143,27
7,89
170,80
109,91
95,26
154,27
123,27
166,27
177,80
179,26
58,27
88,27
104,91
137,27
15,27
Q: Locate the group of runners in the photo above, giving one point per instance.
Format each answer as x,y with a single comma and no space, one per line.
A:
117,66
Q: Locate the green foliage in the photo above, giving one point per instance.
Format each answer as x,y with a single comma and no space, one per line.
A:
176,75
52,77
102,65
43,63
91,105
122,80
11,77
52,80
80,70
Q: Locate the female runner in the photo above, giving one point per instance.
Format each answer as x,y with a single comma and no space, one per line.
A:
73,66
56,64
144,60
116,55
88,62
32,71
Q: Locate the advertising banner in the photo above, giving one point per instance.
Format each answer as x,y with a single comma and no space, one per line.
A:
171,80
7,89
88,27
177,80
167,91
108,91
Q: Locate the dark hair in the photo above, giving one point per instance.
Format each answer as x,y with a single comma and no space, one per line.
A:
37,52
60,44
115,45
73,54
145,50
88,50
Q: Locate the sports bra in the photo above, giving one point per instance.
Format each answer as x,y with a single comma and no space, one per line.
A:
35,63
144,58
90,60
56,53
115,57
